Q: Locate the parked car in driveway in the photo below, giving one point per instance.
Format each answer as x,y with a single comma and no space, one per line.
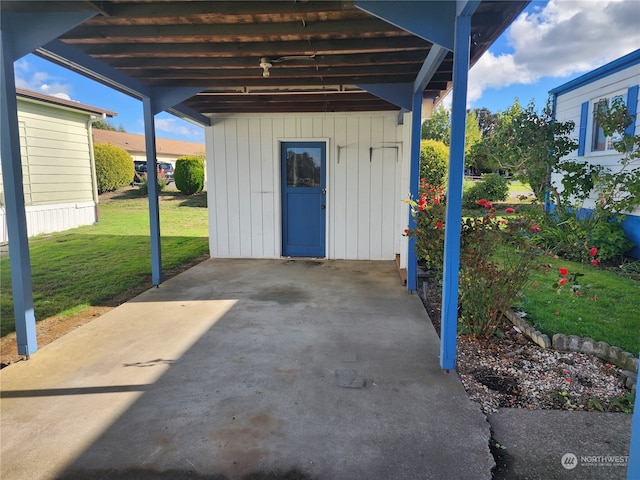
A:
165,170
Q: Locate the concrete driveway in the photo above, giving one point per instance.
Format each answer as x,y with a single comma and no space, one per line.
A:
247,369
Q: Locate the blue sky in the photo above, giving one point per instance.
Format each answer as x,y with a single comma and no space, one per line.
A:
550,43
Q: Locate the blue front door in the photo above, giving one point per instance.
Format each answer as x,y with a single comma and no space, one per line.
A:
303,199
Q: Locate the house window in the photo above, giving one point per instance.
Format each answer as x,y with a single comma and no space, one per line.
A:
600,142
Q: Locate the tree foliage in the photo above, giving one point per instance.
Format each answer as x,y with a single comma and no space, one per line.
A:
438,126
107,125
528,144
114,167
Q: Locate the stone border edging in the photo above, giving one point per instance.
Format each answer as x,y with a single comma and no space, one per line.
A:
573,343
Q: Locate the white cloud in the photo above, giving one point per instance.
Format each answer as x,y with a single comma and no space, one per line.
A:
558,39
179,127
31,79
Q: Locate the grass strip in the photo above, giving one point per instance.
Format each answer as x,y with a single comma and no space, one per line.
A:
93,264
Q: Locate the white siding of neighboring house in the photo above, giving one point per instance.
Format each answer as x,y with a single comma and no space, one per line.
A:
56,166
365,212
569,107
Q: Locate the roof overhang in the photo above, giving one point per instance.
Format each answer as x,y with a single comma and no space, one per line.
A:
316,56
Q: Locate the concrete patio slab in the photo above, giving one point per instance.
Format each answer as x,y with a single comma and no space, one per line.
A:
247,369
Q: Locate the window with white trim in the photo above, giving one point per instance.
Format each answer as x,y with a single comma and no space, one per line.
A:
600,142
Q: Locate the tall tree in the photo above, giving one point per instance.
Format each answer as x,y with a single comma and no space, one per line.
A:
438,126
486,120
529,144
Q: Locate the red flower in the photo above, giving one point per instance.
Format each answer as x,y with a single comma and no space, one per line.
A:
562,281
557,312
596,298
535,228
568,380
488,205
563,271
482,202
594,262
439,225
510,210
406,231
593,252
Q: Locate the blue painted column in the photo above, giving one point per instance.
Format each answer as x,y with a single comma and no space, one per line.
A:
14,200
152,184
449,321
414,182
633,470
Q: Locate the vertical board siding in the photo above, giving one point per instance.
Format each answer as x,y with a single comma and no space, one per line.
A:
363,188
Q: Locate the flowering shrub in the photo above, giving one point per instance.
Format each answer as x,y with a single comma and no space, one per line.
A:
495,260
428,211
571,279
491,276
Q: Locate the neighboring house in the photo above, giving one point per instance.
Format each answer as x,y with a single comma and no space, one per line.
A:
576,101
166,150
57,163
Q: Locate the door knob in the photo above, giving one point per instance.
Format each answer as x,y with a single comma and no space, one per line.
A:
322,207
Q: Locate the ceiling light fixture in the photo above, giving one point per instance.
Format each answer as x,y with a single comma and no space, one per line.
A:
265,64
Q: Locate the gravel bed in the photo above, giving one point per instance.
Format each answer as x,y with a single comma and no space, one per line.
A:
512,371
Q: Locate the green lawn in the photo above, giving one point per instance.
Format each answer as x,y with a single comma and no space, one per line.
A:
606,309
90,265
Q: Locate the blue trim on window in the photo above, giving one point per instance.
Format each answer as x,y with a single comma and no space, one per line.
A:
632,108
582,138
618,65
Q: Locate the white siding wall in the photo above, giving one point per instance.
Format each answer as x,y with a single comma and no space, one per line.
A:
569,107
56,167
365,213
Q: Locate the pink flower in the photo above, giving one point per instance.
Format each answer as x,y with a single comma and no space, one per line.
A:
557,312
568,380
510,210
535,228
562,281
563,271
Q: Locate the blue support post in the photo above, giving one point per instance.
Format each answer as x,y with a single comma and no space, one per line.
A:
414,182
448,334
152,185
633,469
14,200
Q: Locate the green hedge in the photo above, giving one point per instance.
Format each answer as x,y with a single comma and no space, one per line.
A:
491,187
189,174
434,158
114,167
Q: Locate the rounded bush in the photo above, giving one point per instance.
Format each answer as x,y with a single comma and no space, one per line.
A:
114,167
189,174
434,158
492,187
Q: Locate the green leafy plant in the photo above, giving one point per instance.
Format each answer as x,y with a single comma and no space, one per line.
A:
114,167
434,158
495,258
144,184
493,187
189,174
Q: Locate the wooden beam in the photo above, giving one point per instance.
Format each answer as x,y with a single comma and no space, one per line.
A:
230,32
